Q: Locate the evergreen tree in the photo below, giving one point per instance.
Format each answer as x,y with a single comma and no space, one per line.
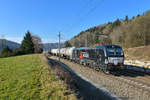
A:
96,38
27,45
116,23
127,19
6,52
138,16
67,44
133,18
17,51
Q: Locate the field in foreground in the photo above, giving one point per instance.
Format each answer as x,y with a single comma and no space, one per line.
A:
29,78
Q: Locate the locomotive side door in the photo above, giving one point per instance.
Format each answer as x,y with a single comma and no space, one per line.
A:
100,56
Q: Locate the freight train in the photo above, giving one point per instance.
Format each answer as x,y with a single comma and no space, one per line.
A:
106,57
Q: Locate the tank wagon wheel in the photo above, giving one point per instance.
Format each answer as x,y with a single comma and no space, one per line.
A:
84,64
70,59
100,69
97,69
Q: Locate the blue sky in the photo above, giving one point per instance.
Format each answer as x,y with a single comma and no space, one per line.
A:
46,18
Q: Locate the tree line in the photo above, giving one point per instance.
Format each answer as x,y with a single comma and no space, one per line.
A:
30,44
127,32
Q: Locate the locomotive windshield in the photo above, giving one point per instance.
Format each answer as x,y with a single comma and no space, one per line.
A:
113,51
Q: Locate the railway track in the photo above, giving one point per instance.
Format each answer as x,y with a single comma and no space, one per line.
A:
142,77
134,81
82,85
139,82
129,76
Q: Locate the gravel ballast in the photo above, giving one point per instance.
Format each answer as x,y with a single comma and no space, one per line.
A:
124,90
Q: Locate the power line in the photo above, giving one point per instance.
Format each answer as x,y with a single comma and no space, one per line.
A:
83,18
94,8
86,41
59,44
3,41
85,6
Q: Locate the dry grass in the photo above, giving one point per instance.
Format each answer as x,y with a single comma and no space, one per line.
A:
62,92
140,53
64,76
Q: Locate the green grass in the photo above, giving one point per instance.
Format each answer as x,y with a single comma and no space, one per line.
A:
29,78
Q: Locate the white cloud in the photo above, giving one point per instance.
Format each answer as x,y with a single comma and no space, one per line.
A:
15,39
49,40
44,40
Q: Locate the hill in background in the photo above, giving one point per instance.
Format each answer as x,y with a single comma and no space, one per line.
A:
138,53
48,46
10,44
127,33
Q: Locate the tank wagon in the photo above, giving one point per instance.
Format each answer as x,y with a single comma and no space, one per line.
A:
55,52
106,58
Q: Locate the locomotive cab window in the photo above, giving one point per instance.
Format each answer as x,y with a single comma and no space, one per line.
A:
113,51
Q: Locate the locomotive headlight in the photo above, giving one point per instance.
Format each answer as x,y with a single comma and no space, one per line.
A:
106,61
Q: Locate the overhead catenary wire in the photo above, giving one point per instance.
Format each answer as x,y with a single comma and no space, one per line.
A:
82,18
84,7
59,44
85,15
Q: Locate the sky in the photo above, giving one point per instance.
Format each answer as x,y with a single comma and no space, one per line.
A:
46,18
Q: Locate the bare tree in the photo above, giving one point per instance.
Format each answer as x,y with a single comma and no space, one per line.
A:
38,47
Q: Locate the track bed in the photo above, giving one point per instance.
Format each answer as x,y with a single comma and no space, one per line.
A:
127,85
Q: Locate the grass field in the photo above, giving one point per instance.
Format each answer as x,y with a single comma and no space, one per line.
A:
29,78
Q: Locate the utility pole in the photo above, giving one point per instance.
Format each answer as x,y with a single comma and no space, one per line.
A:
59,44
86,41
145,38
104,36
3,41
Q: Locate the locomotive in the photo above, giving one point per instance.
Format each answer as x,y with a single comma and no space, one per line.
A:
106,57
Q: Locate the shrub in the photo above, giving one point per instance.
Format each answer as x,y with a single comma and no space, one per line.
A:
6,52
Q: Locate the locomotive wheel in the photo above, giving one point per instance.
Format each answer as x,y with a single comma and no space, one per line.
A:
105,70
100,69
124,67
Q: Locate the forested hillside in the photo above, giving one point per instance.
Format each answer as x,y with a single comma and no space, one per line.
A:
127,33
48,46
10,44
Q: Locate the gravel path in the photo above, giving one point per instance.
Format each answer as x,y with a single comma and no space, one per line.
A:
124,90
